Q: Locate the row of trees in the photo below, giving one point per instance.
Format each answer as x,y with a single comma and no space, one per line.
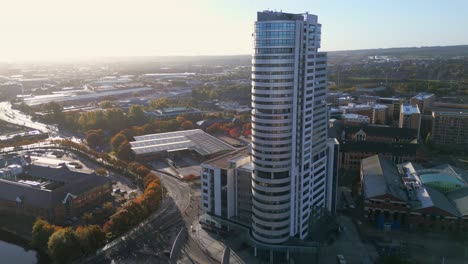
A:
230,92
65,244
113,119
231,129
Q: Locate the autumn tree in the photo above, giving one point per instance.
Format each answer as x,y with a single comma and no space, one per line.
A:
118,140
125,152
41,232
186,125
234,133
94,139
90,238
101,171
63,246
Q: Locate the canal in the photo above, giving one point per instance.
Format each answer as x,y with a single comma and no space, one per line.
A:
16,250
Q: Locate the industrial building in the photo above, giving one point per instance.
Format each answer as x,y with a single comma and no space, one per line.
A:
166,144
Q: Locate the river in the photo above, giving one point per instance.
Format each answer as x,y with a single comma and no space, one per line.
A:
16,250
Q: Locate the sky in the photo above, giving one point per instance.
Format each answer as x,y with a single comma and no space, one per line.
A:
59,29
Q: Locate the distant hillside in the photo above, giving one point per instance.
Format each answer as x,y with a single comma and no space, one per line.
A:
411,52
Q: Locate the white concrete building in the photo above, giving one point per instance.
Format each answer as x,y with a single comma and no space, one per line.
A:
289,126
226,188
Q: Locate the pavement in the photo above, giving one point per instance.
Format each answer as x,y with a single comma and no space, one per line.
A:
350,245
214,245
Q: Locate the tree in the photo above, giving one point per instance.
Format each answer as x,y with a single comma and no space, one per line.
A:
101,171
159,103
125,152
41,232
94,139
186,125
116,119
234,133
64,246
53,112
90,238
136,115
118,223
118,140
180,119
92,120
88,218
106,104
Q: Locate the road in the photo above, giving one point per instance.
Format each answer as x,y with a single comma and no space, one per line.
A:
350,245
16,117
147,242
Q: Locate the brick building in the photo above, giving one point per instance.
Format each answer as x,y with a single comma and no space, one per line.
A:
359,142
450,127
409,195
54,193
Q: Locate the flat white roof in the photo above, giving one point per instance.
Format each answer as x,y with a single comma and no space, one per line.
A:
408,109
423,96
194,139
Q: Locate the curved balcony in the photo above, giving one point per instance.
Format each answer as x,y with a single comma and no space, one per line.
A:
270,223
269,240
285,197
270,215
270,206
270,189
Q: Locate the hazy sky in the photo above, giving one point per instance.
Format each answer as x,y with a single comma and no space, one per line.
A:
43,29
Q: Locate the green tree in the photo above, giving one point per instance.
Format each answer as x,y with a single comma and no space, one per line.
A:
54,113
125,152
159,103
116,119
64,246
136,115
106,104
92,120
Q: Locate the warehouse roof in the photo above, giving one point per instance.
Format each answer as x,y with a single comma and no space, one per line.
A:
381,177
194,139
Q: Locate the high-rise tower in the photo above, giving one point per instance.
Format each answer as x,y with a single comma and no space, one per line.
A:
289,126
